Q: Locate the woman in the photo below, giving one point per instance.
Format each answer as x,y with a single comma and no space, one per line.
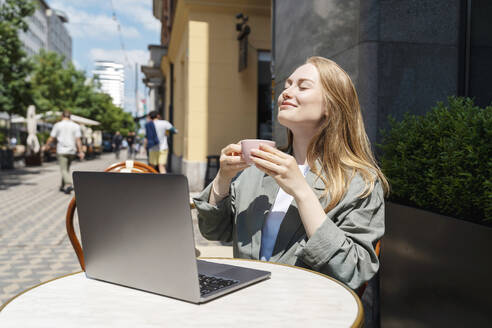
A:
327,191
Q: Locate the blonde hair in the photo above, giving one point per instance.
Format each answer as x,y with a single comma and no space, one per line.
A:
341,143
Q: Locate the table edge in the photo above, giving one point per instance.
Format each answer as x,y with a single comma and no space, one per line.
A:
360,310
35,286
359,320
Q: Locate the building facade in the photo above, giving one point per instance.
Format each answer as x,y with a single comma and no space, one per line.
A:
59,40
153,78
403,56
111,75
208,98
36,37
47,30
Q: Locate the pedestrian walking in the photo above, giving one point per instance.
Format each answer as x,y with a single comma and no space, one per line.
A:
137,145
68,135
117,141
157,131
150,139
130,140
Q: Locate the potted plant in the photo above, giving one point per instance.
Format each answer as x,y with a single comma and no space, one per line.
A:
438,218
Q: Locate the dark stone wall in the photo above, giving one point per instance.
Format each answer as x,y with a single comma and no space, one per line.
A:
403,56
313,28
418,55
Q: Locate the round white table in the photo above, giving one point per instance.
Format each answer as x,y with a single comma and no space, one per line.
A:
291,297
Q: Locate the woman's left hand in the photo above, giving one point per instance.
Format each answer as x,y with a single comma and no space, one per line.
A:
280,166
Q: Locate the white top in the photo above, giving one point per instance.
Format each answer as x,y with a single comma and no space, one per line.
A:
291,296
66,133
272,223
161,126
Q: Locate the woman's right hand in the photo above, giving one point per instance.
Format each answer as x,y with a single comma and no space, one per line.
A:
231,163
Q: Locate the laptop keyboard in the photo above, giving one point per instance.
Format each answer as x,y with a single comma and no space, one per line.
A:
209,284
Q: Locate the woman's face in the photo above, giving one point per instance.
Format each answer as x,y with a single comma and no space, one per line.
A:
301,104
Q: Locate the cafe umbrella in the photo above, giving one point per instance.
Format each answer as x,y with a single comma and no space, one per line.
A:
32,142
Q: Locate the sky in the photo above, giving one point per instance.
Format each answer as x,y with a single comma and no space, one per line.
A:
95,36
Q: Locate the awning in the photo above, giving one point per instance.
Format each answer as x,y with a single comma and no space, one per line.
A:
83,120
75,118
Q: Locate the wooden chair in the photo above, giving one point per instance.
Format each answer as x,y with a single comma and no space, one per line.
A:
123,167
362,288
130,167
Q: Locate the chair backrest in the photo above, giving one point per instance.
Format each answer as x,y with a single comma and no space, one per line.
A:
362,288
123,167
130,167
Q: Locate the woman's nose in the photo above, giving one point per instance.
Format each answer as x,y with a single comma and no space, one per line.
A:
286,94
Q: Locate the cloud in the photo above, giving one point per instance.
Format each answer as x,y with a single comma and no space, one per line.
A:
137,11
83,24
140,11
141,57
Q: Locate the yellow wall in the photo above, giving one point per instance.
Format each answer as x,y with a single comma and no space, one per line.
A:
214,104
198,91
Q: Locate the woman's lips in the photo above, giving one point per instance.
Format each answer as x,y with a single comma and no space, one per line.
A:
286,104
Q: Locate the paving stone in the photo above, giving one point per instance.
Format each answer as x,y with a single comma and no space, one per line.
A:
34,246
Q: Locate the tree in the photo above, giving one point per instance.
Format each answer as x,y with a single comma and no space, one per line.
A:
57,88
113,118
15,67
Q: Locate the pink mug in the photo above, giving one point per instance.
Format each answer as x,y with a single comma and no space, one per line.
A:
248,144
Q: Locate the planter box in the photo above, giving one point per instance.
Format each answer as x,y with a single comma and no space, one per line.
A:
34,160
6,159
435,271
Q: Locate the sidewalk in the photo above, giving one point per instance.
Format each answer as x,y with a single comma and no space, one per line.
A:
34,246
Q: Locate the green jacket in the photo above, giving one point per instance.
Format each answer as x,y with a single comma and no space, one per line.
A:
342,247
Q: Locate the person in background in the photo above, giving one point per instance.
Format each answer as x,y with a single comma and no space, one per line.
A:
151,140
117,140
68,135
159,150
138,145
130,139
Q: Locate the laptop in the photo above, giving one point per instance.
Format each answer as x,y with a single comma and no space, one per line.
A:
137,231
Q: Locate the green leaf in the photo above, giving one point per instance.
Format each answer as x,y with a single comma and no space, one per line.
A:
442,161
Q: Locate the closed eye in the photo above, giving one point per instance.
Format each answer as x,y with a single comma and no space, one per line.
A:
304,86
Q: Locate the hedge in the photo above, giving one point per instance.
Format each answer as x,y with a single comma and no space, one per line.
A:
442,161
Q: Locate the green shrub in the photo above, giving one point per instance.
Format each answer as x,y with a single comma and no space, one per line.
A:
43,136
442,161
